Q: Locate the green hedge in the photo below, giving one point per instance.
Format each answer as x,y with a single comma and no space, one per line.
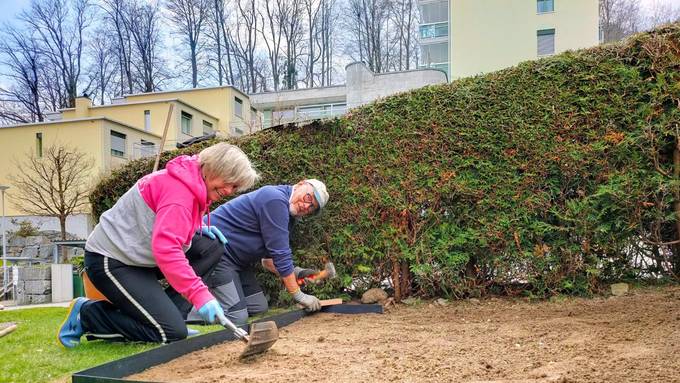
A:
549,177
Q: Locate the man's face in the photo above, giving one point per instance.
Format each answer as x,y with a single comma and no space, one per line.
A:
302,201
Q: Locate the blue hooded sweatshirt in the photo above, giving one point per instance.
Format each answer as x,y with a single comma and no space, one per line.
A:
258,225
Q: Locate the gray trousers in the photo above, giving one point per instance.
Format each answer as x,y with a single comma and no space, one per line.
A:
237,290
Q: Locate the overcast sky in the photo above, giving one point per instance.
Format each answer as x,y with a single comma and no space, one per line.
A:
10,8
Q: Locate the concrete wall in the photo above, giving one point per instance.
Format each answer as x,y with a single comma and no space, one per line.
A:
503,32
78,225
364,86
289,99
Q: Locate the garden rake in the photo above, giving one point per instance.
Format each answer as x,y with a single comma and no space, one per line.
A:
262,336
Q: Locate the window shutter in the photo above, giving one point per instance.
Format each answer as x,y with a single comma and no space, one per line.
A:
546,42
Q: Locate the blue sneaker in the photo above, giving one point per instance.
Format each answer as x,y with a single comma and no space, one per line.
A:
71,330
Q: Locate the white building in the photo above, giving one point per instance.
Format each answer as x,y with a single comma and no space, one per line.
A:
362,87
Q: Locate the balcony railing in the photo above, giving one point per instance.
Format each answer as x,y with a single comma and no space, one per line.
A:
143,150
434,30
305,114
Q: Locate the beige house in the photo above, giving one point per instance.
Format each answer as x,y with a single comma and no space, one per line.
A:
130,127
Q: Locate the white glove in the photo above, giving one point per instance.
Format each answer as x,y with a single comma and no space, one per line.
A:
310,302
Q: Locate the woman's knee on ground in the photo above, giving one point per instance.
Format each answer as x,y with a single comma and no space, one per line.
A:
175,330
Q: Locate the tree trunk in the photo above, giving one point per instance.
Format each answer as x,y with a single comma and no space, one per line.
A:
396,279
405,279
675,261
62,226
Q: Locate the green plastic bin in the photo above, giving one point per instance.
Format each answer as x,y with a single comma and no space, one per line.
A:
78,288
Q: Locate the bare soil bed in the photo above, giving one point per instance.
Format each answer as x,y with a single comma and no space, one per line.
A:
633,338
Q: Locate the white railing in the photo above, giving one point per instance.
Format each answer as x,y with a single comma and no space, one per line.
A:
140,150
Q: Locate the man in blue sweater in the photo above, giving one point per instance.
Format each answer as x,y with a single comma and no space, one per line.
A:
257,227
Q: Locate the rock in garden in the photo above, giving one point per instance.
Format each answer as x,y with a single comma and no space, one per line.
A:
441,302
619,289
374,295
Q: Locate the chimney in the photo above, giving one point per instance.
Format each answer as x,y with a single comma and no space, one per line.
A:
83,104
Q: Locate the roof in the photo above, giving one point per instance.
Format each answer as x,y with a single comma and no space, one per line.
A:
179,100
187,90
79,120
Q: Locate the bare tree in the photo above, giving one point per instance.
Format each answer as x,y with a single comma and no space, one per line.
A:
404,18
619,18
189,17
217,33
55,184
662,12
142,23
312,9
21,58
103,67
116,15
293,33
327,21
272,36
60,33
366,21
245,43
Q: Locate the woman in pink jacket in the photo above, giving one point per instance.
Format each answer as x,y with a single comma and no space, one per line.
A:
144,237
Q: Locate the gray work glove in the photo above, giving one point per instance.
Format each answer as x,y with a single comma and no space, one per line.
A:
310,302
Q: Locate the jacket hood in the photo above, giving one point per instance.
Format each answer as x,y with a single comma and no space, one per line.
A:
187,170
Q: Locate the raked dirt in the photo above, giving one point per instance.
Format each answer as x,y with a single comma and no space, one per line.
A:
632,338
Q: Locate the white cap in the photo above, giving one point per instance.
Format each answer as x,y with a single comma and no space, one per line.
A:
320,192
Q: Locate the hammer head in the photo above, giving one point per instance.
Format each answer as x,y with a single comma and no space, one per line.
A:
326,273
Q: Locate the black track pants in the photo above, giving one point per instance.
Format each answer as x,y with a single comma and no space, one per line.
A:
140,309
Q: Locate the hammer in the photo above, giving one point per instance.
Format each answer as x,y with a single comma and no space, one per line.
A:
318,276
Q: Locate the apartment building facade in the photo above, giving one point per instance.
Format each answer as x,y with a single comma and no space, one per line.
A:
129,128
470,37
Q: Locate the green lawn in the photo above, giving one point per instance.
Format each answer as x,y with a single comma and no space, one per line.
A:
32,353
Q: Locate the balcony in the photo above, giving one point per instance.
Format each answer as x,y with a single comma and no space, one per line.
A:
142,150
434,30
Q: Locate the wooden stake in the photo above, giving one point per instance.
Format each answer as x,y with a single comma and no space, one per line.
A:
7,330
165,134
331,302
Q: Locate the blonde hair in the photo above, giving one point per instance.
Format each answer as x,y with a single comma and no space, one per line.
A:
229,163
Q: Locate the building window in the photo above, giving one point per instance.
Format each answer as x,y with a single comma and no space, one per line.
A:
434,12
186,123
147,120
545,42
207,127
38,145
545,6
238,107
117,144
432,54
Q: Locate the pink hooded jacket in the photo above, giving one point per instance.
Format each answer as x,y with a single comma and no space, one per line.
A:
178,196
153,222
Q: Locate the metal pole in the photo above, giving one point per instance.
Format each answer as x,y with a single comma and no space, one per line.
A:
4,240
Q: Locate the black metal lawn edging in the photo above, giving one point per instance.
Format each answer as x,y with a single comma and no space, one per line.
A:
117,370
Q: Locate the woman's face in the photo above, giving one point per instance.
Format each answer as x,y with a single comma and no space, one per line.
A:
218,188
